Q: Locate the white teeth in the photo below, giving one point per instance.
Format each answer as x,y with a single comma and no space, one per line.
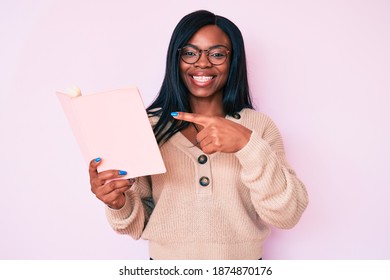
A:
202,78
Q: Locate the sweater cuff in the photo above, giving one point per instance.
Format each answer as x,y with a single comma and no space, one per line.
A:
124,212
256,148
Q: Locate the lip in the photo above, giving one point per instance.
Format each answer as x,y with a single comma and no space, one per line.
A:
202,80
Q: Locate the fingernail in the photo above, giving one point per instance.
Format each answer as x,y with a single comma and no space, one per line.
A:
122,172
98,159
132,180
174,114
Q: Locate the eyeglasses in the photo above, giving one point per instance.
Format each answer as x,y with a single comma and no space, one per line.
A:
216,55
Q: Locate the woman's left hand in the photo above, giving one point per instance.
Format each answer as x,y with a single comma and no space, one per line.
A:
218,134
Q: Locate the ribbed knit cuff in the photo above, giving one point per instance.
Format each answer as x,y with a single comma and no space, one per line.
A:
124,212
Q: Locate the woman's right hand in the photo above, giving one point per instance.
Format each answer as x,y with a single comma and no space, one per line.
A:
108,190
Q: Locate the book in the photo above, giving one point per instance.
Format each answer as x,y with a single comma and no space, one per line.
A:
114,126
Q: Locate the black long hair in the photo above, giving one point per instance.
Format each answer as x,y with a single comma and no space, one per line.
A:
174,95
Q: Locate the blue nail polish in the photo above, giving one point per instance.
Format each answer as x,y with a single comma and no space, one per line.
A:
122,172
174,114
98,159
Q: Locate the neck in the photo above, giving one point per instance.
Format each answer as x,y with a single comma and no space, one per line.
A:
207,107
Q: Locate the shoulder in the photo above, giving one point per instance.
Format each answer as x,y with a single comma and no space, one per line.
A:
262,124
252,113
254,118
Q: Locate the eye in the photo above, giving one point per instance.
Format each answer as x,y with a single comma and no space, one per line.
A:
218,54
188,52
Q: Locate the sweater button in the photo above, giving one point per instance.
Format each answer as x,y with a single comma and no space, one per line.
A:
236,116
202,159
204,181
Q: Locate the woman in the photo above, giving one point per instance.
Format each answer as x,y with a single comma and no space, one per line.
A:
227,178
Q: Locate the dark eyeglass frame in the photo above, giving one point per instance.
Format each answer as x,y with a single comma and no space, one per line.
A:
199,53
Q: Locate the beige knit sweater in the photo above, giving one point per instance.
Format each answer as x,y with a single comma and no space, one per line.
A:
227,219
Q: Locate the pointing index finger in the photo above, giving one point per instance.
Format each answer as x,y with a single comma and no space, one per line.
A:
191,117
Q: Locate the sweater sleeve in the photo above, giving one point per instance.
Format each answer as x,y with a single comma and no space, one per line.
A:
278,196
132,218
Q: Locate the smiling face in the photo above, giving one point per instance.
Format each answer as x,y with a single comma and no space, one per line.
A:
203,79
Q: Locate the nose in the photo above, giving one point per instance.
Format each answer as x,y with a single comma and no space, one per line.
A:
203,61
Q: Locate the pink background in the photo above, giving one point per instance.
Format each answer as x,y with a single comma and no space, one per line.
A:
320,69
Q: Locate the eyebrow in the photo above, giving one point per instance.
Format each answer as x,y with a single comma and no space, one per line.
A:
212,47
